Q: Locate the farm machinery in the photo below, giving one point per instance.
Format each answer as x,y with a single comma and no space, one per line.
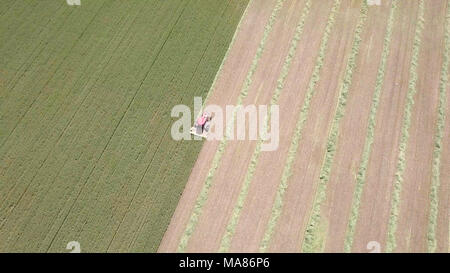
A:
202,126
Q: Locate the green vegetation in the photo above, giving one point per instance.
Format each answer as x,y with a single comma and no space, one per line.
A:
361,176
436,175
401,163
226,240
313,237
201,200
85,98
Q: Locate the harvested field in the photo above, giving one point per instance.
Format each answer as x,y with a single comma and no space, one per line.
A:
363,95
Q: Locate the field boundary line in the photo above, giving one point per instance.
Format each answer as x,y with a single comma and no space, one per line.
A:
313,241
151,162
201,199
225,57
303,115
435,177
17,27
226,239
361,175
401,163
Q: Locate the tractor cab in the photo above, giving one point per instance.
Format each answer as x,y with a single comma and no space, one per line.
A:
202,125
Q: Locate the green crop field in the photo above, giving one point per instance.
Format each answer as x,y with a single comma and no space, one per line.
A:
85,98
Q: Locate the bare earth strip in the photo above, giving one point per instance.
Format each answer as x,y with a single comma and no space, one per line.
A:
349,150
290,228
225,93
258,206
374,212
415,197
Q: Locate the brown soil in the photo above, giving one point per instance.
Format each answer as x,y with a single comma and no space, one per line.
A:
415,197
226,92
372,223
374,213
342,181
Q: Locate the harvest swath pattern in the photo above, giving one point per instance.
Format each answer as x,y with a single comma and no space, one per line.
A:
405,131
217,157
86,153
360,178
226,240
85,99
436,174
395,74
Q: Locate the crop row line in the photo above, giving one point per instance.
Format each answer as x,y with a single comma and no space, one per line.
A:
401,163
201,199
84,183
132,131
28,61
361,175
312,240
161,168
23,69
29,109
303,115
57,132
226,240
101,153
174,150
435,178
238,28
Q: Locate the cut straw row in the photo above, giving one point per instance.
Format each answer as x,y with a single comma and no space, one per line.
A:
303,115
313,240
226,240
201,199
435,178
401,163
361,176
